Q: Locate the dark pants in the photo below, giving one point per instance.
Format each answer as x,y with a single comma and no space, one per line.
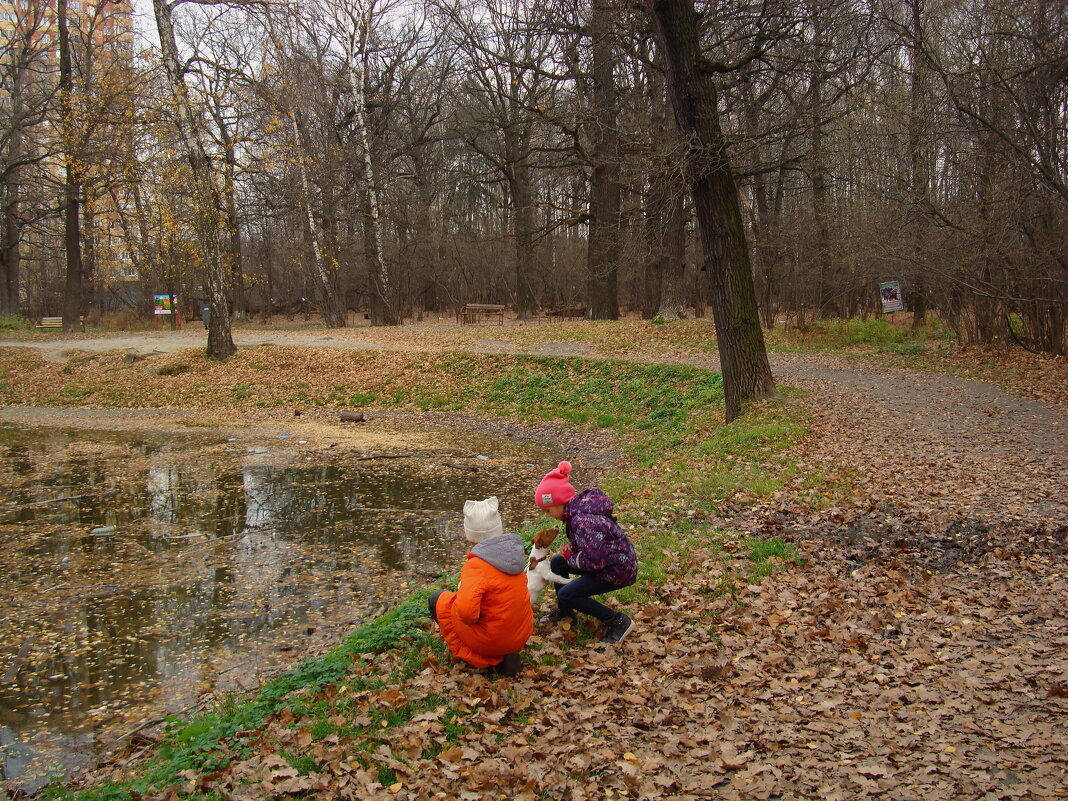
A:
575,595
432,602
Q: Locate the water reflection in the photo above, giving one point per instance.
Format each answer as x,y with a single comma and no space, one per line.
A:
135,571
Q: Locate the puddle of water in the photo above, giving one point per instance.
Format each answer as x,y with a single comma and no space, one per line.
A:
139,574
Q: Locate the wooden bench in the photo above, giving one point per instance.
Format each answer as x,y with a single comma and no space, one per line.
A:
49,323
471,312
568,313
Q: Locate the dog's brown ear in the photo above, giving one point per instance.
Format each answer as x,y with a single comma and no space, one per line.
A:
545,537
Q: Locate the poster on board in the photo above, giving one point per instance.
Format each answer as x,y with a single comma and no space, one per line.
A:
890,295
162,304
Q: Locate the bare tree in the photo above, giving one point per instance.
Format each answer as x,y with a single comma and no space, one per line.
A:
205,191
29,98
357,18
691,86
605,199
499,107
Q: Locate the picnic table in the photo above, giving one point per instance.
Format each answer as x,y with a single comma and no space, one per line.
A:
472,312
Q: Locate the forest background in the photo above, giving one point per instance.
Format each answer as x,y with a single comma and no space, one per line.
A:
395,158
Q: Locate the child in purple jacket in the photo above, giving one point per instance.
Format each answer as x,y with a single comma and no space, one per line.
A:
598,552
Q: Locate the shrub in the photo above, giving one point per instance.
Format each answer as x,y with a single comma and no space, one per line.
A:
12,322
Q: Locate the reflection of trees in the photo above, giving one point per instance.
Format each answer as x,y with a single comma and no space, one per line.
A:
231,507
211,496
314,540
18,456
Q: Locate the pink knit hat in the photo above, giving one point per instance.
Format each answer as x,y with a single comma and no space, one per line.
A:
555,489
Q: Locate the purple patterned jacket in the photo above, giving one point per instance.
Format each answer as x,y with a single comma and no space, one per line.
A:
598,544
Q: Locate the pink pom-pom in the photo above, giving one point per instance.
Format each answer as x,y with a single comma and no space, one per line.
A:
564,468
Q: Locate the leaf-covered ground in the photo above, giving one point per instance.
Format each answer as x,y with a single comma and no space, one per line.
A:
825,682
918,650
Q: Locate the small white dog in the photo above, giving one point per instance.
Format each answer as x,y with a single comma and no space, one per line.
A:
539,574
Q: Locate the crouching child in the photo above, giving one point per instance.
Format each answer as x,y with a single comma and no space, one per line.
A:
488,620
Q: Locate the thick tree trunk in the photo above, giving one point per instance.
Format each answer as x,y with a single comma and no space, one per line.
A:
673,256
523,218
11,253
206,202
72,241
605,242
743,357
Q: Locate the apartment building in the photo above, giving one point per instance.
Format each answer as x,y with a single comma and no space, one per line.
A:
105,26
103,21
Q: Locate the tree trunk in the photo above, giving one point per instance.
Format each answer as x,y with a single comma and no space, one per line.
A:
233,227
827,290
11,254
384,307
668,203
149,254
919,168
329,306
206,202
523,211
72,242
605,241
673,255
89,280
743,357
11,251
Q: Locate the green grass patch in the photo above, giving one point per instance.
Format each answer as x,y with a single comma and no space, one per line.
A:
767,554
652,403
12,322
873,333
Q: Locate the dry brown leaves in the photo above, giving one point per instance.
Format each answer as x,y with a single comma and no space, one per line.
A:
823,683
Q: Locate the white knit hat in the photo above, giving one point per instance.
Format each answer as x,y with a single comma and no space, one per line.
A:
482,520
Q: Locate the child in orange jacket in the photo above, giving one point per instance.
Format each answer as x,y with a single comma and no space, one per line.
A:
488,620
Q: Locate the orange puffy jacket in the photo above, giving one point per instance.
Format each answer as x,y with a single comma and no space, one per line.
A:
489,615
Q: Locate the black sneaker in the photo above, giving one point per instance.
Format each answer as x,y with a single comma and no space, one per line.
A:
555,616
510,665
617,629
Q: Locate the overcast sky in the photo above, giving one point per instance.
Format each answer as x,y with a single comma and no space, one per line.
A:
144,21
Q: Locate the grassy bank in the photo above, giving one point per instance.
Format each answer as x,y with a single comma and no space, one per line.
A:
679,462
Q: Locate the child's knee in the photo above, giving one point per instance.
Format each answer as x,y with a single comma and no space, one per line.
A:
432,603
559,565
565,593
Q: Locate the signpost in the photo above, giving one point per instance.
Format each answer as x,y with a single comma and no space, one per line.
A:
166,305
890,295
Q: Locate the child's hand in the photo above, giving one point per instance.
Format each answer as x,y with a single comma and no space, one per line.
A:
566,551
